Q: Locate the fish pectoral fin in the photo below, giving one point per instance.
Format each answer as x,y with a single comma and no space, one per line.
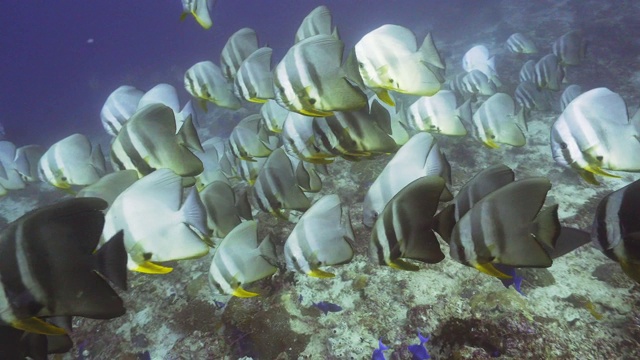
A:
242,293
38,326
184,16
317,273
148,267
400,264
489,269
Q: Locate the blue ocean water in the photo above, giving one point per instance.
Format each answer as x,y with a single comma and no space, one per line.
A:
62,59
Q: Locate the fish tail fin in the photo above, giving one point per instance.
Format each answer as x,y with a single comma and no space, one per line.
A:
465,114
335,33
188,111
352,70
569,240
97,160
429,52
188,135
521,119
111,260
346,223
193,213
491,63
444,221
268,251
547,227
635,121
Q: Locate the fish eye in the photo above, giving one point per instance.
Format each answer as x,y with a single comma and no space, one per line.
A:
599,158
64,178
375,214
563,145
492,136
146,256
312,101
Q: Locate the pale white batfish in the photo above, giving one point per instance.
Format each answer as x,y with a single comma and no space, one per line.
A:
594,133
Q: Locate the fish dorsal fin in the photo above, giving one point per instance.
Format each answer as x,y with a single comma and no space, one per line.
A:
327,207
322,50
429,53
163,185
518,203
481,185
260,58
243,237
317,22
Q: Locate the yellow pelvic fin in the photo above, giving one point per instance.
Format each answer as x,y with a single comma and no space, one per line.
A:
489,269
38,326
257,100
148,267
491,144
598,171
588,177
400,264
384,96
315,113
242,293
69,191
183,16
203,104
317,273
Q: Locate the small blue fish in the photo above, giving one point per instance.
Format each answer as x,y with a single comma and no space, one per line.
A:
378,353
219,304
516,280
300,299
419,351
327,307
